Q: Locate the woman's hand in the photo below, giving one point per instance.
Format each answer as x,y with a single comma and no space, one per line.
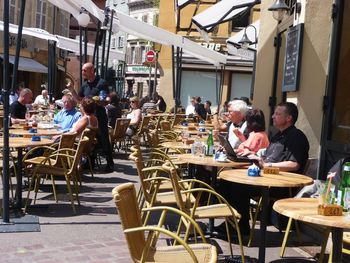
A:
239,134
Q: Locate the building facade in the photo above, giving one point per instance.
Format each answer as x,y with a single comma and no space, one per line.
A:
323,87
200,78
38,14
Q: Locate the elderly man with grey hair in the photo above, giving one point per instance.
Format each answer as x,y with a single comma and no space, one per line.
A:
237,110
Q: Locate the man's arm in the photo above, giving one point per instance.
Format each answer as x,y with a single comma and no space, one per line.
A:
287,166
74,93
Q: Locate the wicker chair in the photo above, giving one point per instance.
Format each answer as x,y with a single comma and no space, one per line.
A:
216,206
70,159
118,134
145,249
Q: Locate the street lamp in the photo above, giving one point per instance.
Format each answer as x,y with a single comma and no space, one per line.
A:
279,9
245,42
83,20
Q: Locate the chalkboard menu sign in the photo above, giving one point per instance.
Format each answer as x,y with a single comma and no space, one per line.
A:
292,58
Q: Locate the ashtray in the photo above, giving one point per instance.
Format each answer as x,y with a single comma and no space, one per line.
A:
36,138
201,129
32,130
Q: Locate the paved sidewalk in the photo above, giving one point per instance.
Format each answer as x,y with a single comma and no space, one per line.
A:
94,235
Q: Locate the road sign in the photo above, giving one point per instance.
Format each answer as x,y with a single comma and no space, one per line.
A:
150,56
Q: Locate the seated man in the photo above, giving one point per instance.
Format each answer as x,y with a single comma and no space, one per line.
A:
68,115
42,100
18,108
288,150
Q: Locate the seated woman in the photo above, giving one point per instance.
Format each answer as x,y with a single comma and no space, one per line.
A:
257,138
135,115
88,119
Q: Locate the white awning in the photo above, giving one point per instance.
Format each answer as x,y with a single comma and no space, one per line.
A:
146,31
183,3
27,64
221,12
143,30
73,46
251,33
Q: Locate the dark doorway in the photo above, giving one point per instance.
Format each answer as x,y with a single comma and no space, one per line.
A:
336,127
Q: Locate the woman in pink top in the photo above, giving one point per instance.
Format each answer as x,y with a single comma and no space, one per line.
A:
257,136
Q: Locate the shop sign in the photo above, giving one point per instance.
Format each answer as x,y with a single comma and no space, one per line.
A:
13,41
212,46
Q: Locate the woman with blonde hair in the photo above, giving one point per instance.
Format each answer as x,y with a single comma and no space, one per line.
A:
135,115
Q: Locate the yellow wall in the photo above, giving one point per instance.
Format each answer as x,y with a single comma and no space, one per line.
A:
314,63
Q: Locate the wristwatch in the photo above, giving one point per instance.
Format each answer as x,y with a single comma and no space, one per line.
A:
269,164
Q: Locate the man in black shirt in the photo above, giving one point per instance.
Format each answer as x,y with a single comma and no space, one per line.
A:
199,108
18,108
288,150
93,86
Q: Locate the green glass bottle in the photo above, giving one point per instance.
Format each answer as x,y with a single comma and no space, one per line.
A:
210,144
344,184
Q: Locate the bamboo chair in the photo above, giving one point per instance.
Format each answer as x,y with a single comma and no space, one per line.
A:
118,134
90,133
215,208
143,128
70,159
145,249
177,119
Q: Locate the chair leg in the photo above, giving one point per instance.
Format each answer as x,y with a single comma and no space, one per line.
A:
28,194
70,194
54,188
90,166
36,187
76,189
254,218
286,234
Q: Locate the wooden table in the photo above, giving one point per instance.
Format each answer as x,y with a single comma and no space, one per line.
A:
305,209
40,132
176,145
191,132
265,181
19,143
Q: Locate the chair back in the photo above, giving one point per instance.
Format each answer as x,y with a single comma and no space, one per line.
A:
124,196
83,144
165,126
153,138
121,125
66,142
145,186
144,125
176,187
178,118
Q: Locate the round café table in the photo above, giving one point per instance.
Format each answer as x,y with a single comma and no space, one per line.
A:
40,132
265,181
19,143
176,145
305,209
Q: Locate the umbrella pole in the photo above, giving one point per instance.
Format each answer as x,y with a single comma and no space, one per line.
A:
80,55
6,83
18,47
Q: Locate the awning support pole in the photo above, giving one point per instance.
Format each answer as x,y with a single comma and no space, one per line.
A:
109,42
96,47
52,68
80,55
5,94
18,47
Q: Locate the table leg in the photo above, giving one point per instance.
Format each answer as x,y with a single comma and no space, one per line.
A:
337,239
18,201
263,223
213,182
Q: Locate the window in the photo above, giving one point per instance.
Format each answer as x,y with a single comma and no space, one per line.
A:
133,53
121,42
13,12
40,13
143,54
242,20
145,18
63,20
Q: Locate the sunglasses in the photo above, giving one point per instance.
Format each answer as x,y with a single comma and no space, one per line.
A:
132,101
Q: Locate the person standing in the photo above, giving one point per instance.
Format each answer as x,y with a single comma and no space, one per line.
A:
18,108
92,86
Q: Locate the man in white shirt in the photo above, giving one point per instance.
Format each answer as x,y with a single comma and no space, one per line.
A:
190,107
237,110
43,99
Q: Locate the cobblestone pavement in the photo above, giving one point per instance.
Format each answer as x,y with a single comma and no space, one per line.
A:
94,235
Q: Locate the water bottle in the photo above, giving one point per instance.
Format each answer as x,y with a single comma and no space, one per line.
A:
344,185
